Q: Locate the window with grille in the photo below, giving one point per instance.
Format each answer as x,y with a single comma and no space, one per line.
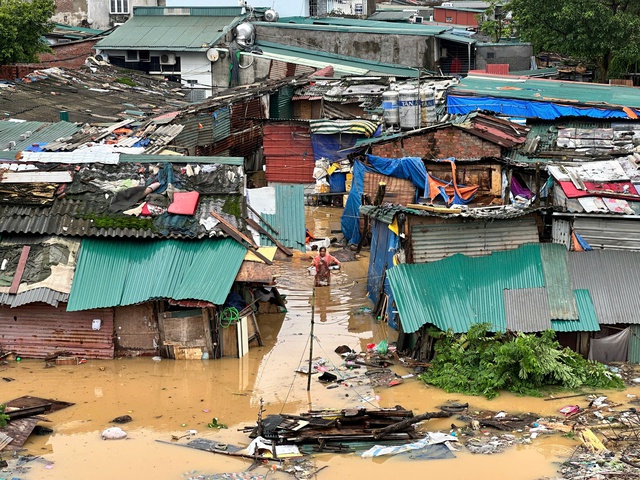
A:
313,8
119,6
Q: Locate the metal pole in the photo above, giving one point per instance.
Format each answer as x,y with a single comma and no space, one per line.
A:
313,307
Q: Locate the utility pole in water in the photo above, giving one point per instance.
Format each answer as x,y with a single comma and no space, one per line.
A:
313,305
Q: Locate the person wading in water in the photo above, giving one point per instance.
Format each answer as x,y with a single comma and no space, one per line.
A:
322,262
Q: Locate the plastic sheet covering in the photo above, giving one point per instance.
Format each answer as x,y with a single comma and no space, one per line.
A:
524,108
410,168
328,146
613,348
432,438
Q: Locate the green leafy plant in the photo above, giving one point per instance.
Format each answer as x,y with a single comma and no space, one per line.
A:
4,418
126,81
479,363
216,424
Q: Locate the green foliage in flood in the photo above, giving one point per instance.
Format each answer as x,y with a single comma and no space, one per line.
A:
480,363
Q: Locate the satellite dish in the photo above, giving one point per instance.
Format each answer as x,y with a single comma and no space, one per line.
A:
213,55
271,15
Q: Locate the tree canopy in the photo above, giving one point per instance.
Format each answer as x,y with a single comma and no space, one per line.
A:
22,24
594,30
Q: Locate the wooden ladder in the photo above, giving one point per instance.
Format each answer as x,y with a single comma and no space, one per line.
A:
256,336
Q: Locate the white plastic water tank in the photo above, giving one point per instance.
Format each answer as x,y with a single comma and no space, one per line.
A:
390,108
409,108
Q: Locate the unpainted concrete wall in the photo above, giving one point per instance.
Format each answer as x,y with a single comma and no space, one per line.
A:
518,56
407,50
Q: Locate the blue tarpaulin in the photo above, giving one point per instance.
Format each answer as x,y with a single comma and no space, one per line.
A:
527,109
328,146
408,168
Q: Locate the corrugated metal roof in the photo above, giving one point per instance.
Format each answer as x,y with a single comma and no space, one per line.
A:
436,241
456,38
391,16
574,93
211,11
562,305
613,280
169,33
608,233
128,158
356,25
221,124
75,157
527,310
289,218
343,65
37,295
588,321
115,273
40,133
386,212
458,291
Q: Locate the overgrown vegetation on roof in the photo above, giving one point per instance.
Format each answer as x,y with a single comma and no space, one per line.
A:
126,81
479,363
117,221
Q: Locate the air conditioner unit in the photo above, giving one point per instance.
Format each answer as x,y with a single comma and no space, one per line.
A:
168,59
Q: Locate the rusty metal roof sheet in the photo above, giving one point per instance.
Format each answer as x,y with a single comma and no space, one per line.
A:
493,129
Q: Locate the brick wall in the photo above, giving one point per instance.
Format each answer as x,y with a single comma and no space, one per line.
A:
442,143
66,55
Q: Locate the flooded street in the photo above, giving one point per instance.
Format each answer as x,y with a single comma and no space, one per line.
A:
170,397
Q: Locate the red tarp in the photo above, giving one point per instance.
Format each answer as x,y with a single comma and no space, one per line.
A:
615,190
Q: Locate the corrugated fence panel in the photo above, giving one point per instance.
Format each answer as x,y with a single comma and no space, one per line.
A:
613,279
527,310
288,153
37,330
613,234
289,218
634,345
437,241
562,303
588,321
221,124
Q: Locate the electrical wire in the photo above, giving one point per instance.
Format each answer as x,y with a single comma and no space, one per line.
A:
304,351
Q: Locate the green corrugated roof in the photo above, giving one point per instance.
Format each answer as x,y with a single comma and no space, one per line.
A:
456,38
118,272
458,291
538,72
289,218
533,89
342,64
562,304
169,32
146,158
334,24
71,28
41,132
588,321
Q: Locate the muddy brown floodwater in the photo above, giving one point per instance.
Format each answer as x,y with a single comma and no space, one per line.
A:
170,397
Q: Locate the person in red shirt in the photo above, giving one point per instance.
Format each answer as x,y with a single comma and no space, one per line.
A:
322,262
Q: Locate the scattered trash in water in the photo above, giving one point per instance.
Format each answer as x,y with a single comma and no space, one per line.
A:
113,433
